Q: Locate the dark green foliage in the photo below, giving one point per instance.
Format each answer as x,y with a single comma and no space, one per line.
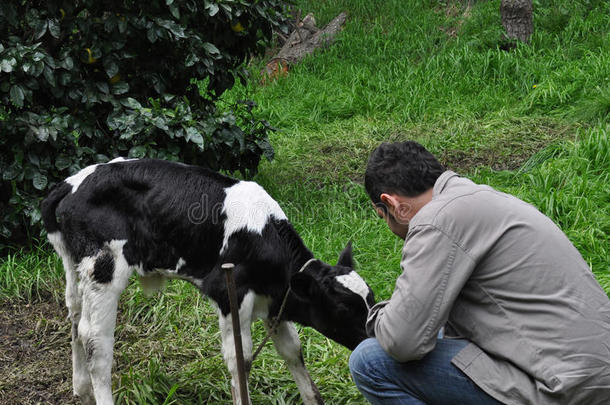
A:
84,81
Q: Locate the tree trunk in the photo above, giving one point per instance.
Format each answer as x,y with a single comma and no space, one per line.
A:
517,19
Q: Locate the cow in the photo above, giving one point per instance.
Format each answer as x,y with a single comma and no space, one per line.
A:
164,219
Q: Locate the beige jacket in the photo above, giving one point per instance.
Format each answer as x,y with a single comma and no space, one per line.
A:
497,272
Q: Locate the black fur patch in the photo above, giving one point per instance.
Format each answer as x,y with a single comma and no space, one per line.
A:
103,268
89,349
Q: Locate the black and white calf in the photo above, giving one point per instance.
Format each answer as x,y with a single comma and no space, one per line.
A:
163,219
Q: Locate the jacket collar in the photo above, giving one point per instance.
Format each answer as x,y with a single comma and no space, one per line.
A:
441,182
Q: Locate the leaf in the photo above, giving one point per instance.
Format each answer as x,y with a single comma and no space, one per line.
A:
175,11
38,68
40,181
5,232
7,65
62,162
131,103
175,29
12,171
50,62
120,88
54,28
194,136
226,8
160,123
67,63
151,35
42,134
17,95
212,9
210,48
191,59
38,56
103,87
267,149
34,159
101,158
137,152
40,29
112,68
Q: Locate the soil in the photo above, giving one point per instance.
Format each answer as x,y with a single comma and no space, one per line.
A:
35,357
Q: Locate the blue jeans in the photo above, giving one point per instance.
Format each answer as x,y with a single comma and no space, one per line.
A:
431,380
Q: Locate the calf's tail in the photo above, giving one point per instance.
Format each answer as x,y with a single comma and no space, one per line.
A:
49,205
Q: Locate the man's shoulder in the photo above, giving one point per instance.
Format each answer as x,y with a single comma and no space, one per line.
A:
458,194
461,202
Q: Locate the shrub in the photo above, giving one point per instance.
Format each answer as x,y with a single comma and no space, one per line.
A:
83,81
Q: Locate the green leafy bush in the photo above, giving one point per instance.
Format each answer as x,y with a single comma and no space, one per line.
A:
82,81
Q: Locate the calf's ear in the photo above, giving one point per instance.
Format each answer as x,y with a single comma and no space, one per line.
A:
304,286
345,258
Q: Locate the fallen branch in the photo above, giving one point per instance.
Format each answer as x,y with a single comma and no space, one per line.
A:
301,42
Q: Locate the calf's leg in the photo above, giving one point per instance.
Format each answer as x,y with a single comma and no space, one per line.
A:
102,279
81,382
228,341
288,345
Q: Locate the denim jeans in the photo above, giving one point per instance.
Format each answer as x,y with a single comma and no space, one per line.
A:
430,380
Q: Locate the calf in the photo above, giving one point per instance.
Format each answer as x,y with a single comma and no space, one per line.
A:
163,219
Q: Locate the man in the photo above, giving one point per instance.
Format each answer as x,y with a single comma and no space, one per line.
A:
525,321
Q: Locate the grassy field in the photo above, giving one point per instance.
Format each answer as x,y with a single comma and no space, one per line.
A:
534,122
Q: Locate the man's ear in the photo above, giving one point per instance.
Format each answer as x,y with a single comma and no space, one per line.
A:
389,201
345,258
304,286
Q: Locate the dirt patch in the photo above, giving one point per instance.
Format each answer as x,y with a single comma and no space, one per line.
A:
456,13
465,162
35,359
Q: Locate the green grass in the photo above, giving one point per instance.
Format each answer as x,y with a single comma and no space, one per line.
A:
533,122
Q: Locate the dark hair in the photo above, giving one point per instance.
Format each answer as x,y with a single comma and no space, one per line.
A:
404,168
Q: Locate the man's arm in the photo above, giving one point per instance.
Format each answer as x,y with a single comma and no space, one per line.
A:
434,270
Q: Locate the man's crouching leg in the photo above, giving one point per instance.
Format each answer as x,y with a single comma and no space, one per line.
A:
430,380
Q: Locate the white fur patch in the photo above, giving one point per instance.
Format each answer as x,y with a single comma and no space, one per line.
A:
260,308
180,264
173,273
352,281
77,179
57,242
248,206
121,159
72,295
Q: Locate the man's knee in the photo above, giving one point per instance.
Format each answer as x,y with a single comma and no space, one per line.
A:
362,357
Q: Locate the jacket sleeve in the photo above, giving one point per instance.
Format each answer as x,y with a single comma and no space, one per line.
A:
434,270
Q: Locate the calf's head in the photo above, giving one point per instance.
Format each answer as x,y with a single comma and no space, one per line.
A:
336,300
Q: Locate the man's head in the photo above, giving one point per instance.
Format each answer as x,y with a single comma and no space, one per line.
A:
399,179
